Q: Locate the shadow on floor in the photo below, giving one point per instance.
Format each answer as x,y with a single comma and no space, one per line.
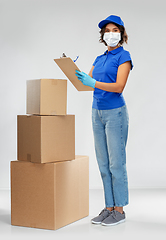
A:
5,217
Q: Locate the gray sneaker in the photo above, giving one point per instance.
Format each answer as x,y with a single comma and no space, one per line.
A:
114,218
104,214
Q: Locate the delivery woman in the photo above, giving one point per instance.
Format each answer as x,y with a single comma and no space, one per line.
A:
108,77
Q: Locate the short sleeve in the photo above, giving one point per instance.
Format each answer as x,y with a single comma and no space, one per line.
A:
125,57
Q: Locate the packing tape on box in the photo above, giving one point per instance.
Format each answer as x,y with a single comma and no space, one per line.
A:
54,112
28,157
54,82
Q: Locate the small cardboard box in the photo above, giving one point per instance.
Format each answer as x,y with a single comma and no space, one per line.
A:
45,138
50,195
46,97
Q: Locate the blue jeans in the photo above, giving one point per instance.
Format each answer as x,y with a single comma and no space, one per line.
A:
110,129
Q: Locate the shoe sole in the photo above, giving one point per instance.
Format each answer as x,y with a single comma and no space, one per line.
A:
112,224
95,222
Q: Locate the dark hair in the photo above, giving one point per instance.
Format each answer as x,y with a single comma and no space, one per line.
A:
124,36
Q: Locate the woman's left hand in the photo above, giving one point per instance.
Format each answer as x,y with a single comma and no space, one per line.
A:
85,79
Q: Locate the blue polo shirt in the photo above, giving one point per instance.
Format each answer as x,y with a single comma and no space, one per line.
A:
105,70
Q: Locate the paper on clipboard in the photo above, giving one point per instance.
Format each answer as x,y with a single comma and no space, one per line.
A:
68,67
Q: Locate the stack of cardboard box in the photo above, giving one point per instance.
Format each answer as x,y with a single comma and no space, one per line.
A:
49,184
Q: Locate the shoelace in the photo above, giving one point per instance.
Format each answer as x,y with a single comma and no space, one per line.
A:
102,212
114,214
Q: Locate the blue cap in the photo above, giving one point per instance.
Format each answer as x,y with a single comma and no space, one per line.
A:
111,19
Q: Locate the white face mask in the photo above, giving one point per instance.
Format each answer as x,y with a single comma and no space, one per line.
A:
112,38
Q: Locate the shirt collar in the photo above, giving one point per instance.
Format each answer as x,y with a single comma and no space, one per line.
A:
115,51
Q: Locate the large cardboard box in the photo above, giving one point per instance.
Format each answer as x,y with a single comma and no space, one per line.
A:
45,138
50,195
46,97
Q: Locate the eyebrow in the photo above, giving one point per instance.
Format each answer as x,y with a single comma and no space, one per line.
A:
115,28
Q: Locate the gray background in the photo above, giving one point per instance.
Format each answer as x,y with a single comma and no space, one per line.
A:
34,32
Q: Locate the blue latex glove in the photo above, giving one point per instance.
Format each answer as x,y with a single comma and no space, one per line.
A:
85,79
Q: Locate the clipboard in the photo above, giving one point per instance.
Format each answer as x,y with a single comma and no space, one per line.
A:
68,67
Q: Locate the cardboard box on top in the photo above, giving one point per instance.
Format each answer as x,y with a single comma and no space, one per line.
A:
68,67
46,97
51,195
45,139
